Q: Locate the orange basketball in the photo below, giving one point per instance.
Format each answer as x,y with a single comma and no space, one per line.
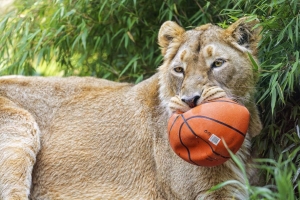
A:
198,135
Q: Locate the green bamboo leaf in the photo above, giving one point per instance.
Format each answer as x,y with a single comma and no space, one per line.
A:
273,99
290,33
62,27
291,80
101,9
71,12
297,29
276,67
75,43
97,44
264,96
296,63
54,17
134,59
40,57
254,63
24,57
3,23
126,40
84,36
260,192
117,33
279,91
229,182
141,77
62,10
38,45
31,36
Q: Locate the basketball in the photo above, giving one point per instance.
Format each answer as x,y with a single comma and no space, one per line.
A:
200,135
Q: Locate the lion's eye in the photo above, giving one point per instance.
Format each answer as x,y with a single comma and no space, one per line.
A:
178,69
218,63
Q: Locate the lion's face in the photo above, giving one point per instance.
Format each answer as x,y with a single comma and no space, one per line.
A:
206,63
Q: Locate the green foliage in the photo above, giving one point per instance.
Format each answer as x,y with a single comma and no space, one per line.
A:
108,39
279,89
117,40
285,181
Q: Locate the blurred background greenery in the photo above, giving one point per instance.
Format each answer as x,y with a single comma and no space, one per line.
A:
117,40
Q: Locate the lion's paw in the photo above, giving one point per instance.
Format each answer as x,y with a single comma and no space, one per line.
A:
213,93
177,105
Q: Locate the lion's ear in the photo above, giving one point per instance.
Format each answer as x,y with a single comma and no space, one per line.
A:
246,34
167,32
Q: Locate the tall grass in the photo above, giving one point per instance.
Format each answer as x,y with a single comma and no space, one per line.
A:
283,177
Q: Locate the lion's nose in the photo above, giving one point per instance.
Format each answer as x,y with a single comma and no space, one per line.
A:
191,100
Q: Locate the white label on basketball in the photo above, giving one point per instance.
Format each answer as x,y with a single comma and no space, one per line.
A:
214,139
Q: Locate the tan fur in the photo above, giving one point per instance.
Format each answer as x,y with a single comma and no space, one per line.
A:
87,138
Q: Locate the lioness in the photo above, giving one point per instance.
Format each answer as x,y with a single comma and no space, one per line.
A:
86,138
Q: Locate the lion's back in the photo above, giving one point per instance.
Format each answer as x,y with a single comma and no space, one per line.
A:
43,96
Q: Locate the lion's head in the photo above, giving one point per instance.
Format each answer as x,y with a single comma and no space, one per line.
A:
207,62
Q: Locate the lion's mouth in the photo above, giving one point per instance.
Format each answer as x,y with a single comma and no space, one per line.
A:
208,94
184,103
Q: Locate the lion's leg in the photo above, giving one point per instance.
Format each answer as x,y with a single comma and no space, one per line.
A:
19,144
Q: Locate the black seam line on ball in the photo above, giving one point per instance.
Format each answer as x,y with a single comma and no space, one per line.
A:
187,149
200,116
185,121
173,124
